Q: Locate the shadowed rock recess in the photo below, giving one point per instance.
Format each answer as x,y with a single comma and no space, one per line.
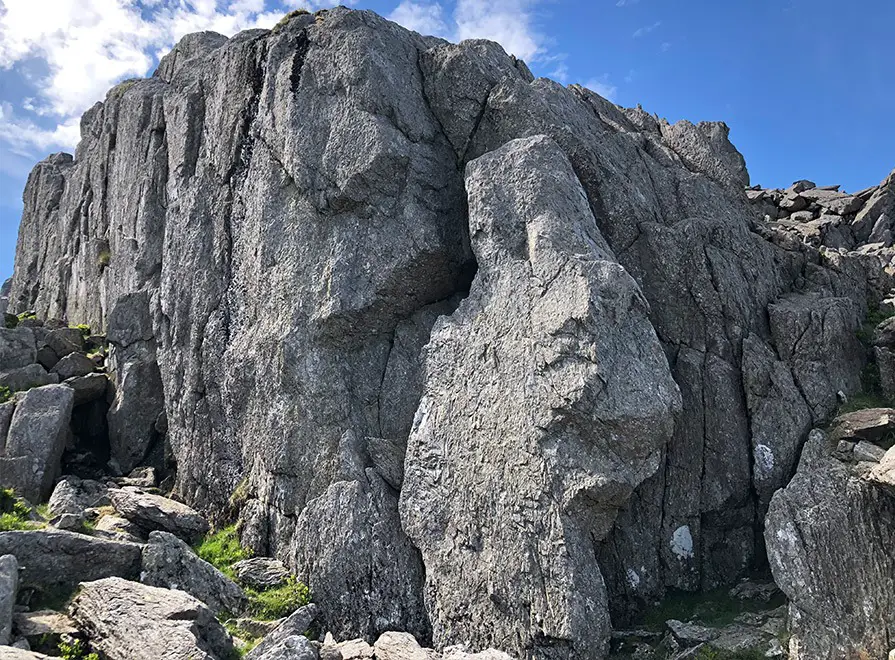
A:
479,357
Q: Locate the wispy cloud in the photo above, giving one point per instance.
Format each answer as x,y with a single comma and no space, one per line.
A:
425,18
83,47
603,87
665,47
626,3
646,29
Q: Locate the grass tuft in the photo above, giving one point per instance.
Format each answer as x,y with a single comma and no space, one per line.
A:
280,601
5,394
222,549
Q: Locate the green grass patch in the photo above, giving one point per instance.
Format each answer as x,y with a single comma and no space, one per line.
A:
280,601
83,329
103,258
5,394
288,17
248,640
76,650
26,315
222,549
16,513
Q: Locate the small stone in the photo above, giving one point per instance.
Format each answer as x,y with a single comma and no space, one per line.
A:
845,448
801,186
261,572
793,203
71,522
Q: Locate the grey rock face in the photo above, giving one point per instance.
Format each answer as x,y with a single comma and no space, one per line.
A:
295,647
353,531
34,375
154,512
65,341
170,563
827,534
12,653
35,441
131,621
535,372
53,560
9,585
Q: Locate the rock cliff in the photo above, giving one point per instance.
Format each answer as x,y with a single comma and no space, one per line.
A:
479,356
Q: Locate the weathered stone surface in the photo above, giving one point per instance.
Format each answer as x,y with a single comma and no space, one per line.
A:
132,621
9,586
64,341
74,495
73,365
401,646
884,474
17,348
25,378
170,563
116,528
829,536
154,512
352,531
815,335
6,410
544,360
88,388
261,572
35,441
295,624
52,560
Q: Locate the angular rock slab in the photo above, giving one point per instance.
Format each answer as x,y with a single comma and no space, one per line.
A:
132,621
829,536
36,440
154,512
73,495
170,563
547,401
53,560
261,572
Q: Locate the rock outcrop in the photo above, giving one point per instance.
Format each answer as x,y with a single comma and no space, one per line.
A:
628,361
551,358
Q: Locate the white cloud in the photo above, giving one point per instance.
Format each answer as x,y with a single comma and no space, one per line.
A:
626,3
420,17
602,86
84,47
646,29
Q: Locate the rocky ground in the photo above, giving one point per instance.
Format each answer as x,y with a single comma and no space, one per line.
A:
484,361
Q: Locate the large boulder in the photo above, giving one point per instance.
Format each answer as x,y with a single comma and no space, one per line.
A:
9,585
132,621
152,512
25,378
829,536
548,399
36,440
170,563
55,561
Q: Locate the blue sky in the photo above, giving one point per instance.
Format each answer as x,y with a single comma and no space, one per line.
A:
807,86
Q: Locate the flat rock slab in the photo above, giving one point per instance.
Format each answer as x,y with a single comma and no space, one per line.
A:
872,424
132,621
156,513
12,653
43,622
52,560
74,495
261,572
